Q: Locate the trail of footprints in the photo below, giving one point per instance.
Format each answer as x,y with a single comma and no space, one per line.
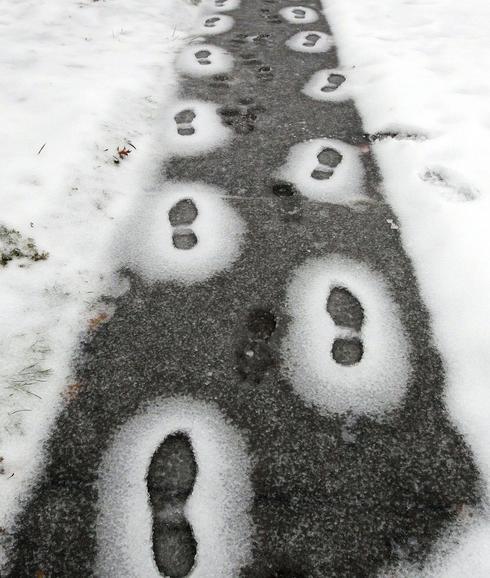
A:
173,470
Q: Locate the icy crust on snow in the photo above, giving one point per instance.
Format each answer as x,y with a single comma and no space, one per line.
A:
345,184
217,509
310,41
378,382
203,132
220,5
335,90
204,60
299,14
217,228
212,24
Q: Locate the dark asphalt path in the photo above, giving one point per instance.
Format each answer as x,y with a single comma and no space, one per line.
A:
325,505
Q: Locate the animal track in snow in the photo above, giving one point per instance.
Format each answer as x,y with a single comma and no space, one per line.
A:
325,170
217,24
204,60
345,349
188,233
299,14
194,128
181,216
170,479
310,41
328,85
174,495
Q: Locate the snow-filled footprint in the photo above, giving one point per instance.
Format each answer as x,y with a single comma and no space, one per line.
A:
325,170
204,60
194,127
174,495
171,478
185,232
310,41
299,14
216,24
345,349
328,85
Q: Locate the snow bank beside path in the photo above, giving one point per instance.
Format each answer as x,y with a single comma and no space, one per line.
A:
421,67
79,79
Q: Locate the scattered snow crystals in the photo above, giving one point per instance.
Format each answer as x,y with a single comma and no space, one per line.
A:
217,509
325,170
204,60
310,41
185,232
299,14
376,380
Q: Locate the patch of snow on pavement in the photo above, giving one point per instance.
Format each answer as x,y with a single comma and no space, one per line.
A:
83,87
217,510
422,66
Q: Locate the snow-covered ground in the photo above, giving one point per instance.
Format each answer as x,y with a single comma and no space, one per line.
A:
420,67
79,79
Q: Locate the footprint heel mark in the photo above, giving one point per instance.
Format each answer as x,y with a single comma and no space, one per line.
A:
255,356
184,119
333,82
347,313
328,160
181,216
170,481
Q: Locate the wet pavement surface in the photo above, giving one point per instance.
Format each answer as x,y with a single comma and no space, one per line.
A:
333,496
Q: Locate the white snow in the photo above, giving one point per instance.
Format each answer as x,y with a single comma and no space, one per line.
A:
421,66
209,134
204,60
217,509
345,185
148,248
79,79
310,41
374,385
299,14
